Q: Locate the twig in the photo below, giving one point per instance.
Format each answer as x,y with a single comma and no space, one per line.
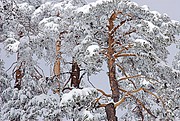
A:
125,54
10,66
129,77
41,71
123,48
82,76
107,95
90,81
123,71
66,83
143,106
38,72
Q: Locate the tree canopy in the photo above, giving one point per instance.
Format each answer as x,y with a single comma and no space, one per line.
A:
78,40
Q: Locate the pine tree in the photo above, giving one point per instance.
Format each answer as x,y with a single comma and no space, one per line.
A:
79,40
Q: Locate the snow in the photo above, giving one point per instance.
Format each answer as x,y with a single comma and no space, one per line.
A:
88,114
132,3
145,7
86,40
175,22
156,13
142,41
150,24
12,47
57,8
38,13
85,8
145,82
68,6
51,26
75,93
92,49
23,98
26,8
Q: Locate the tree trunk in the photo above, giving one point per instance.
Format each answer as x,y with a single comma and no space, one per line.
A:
19,75
18,80
57,69
75,75
111,61
111,112
109,108
57,66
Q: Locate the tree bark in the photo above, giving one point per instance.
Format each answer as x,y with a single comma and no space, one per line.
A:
109,108
19,76
75,75
111,61
18,80
57,69
111,112
57,65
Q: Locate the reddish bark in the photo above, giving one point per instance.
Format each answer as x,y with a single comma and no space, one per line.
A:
18,80
18,75
57,69
111,60
57,64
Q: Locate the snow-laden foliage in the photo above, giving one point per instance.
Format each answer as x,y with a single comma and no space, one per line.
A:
87,55
44,106
79,104
142,32
5,83
23,105
4,80
176,61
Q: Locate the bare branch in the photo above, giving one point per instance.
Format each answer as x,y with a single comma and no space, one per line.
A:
124,78
119,102
119,25
101,105
145,90
129,32
66,83
123,71
90,81
38,72
124,48
11,66
143,106
41,70
125,54
107,95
